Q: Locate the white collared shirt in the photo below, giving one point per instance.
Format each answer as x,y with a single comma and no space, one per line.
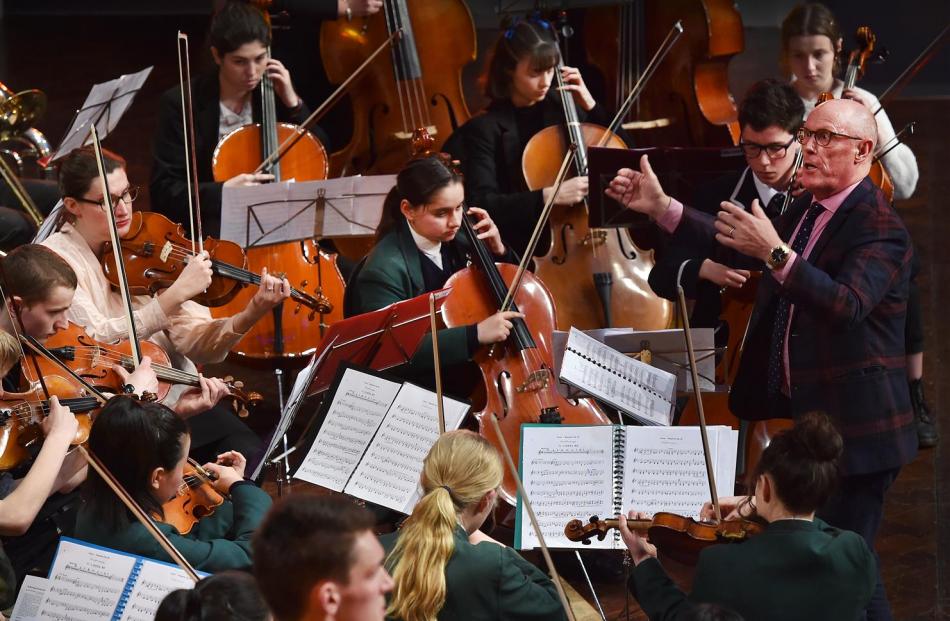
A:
764,190
431,249
229,120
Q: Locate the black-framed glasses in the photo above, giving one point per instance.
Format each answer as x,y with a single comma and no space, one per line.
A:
775,151
130,194
822,136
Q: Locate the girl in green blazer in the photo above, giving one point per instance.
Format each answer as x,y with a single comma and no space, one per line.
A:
443,566
145,446
797,568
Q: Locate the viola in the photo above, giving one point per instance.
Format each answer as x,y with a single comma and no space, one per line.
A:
156,250
93,360
678,537
196,498
22,413
518,376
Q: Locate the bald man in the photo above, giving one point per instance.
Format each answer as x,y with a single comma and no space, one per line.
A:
827,330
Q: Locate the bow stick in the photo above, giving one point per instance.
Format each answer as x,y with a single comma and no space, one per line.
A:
191,159
436,364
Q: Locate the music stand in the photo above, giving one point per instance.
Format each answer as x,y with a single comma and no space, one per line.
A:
681,171
104,106
275,213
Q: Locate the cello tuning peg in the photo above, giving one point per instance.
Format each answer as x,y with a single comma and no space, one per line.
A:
880,54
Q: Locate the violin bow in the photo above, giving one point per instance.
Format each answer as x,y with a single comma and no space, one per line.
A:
139,513
289,142
117,252
534,519
671,38
796,165
188,139
6,171
38,349
440,408
697,394
912,69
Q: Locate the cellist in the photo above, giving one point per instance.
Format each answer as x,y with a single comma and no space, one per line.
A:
769,117
222,101
182,327
799,567
518,82
811,53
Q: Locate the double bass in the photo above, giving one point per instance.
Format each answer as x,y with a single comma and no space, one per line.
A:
293,329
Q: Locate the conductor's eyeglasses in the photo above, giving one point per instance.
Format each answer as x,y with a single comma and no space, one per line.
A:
822,136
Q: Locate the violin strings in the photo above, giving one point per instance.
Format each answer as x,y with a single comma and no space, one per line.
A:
83,352
394,52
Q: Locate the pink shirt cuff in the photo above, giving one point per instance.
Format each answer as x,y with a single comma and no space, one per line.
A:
782,274
671,217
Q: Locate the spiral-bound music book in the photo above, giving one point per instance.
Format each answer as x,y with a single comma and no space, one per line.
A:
578,471
91,582
638,389
375,434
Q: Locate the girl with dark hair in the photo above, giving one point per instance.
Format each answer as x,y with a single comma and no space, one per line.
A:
798,568
145,446
227,596
518,82
419,250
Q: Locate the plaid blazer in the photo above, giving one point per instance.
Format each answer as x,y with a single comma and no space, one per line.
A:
846,342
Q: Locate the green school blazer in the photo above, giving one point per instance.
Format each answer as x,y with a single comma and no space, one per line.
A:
487,582
218,542
795,570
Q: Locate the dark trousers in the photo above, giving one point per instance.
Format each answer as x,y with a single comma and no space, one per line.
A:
220,430
914,329
858,505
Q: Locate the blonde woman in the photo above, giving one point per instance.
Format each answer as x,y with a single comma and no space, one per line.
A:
443,566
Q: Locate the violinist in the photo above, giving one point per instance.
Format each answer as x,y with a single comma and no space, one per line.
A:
769,118
490,146
827,329
222,101
443,566
145,445
316,558
419,248
811,52
799,567
180,326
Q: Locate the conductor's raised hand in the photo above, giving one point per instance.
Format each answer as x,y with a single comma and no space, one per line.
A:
751,234
639,191
497,327
487,231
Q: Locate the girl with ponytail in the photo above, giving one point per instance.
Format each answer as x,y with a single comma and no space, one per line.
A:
443,566
799,567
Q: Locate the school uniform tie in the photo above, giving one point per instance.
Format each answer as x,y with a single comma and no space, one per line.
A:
776,373
774,208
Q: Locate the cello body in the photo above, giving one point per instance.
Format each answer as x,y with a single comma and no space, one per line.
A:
417,85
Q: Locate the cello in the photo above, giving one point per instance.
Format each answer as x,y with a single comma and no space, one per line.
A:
596,275
419,87
689,103
289,331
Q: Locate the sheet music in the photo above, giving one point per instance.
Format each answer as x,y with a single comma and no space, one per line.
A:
121,91
92,582
638,389
665,470
154,582
389,473
85,582
354,415
279,212
32,592
567,471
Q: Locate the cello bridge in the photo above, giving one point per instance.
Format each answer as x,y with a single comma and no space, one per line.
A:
536,380
406,136
596,237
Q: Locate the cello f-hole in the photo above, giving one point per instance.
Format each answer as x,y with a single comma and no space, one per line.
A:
560,260
434,102
503,386
631,254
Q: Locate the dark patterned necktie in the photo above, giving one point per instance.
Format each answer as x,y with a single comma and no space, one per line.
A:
774,208
780,326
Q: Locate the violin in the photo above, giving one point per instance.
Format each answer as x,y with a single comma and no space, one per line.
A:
518,376
93,360
196,498
155,251
857,65
678,537
22,413
286,332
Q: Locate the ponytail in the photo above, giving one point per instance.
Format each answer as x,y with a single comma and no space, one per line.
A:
459,470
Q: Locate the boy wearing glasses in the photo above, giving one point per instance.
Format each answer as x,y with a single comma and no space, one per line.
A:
769,117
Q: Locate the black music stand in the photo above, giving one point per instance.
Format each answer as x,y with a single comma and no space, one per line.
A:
681,171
